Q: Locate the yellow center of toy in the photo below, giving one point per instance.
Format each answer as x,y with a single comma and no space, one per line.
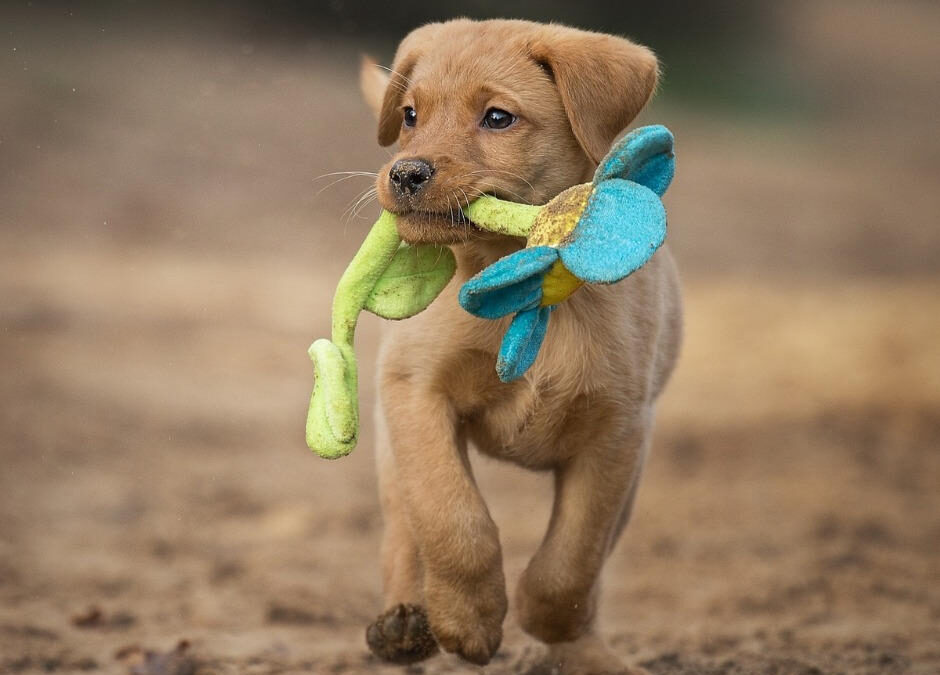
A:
558,284
554,223
558,218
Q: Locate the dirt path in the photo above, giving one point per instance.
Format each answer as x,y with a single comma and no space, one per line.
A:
166,264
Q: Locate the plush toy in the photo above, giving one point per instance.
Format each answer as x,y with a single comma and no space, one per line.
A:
598,233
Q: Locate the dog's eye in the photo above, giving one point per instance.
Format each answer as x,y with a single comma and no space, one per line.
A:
411,117
497,119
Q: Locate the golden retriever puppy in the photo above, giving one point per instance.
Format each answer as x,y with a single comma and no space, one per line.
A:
522,111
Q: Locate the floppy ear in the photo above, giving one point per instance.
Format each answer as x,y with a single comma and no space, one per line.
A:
604,81
389,115
373,81
409,51
383,92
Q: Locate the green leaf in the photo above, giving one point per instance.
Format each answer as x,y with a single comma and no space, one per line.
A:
416,275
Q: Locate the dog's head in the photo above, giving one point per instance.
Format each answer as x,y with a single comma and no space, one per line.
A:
515,109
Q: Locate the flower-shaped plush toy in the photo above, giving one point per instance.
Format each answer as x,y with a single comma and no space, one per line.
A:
598,233
595,233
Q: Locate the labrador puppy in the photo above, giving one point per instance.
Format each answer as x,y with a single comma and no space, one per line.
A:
522,111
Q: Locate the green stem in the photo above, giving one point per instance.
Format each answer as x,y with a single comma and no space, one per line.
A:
354,288
333,416
360,277
502,217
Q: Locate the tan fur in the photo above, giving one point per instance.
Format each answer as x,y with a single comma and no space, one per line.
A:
585,409
373,81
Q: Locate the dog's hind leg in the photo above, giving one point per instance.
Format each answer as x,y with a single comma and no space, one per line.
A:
556,599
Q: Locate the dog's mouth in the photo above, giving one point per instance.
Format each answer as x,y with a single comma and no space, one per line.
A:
453,217
437,227
441,226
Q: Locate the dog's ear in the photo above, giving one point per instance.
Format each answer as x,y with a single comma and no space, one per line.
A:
383,90
373,81
604,81
389,114
409,51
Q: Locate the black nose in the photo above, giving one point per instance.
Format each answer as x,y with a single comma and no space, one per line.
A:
410,175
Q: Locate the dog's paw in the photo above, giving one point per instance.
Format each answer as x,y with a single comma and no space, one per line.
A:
469,625
401,635
473,643
588,655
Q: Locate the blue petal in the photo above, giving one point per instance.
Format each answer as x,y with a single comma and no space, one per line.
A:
511,284
621,227
521,343
643,156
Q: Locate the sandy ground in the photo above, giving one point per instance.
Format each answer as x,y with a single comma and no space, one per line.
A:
167,260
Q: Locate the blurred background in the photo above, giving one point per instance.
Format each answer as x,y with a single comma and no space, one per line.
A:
169,252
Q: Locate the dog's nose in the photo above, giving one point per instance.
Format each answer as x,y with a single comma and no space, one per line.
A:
410,175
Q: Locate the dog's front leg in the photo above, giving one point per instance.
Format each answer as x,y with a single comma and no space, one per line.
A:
456,538
557,595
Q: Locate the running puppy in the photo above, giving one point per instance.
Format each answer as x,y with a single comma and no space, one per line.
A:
522,111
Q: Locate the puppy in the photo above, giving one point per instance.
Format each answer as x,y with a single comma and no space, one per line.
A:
522,111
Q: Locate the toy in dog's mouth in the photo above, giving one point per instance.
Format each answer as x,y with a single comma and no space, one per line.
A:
437,227
445,228
592,233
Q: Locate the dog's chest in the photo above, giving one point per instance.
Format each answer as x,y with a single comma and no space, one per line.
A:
576,389
537,421
538,428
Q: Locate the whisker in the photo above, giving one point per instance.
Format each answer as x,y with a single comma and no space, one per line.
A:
356,174
508,191
470,232
346,173
457,200
392,71
465,196
399,87
355,201
363,204
450,212
364,200
508,173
